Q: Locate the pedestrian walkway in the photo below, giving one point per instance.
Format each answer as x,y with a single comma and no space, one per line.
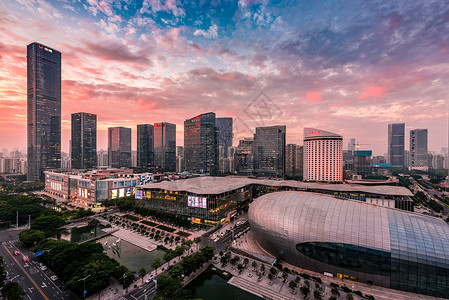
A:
257,289
135,238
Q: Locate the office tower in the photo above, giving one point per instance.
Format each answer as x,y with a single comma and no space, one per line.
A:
269,151
119,147
201,144
165,146
291,160
84,141
418,148
243,157
225,135
43,110
323,155
180,166
300,161
145,145
351,144
102,158
396,134
362,162
348,160
133,158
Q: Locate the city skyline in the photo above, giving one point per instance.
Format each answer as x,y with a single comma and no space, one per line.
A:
166,62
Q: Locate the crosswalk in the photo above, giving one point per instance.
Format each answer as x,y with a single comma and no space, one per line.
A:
11,242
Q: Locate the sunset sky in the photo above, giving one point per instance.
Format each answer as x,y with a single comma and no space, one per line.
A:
349,67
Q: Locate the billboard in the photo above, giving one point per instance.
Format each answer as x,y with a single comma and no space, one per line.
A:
139,194
128,192
121,193
114,194
194,201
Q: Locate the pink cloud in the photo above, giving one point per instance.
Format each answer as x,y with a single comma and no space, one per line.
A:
314,96
372,92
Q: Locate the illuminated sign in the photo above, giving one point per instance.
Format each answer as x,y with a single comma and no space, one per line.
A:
121,193
45,48
312,133
114,194
139,194
148,195
194,201
128,192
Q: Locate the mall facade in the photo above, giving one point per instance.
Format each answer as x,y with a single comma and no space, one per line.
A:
354,240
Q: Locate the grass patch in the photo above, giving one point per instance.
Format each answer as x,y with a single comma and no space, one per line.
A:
132,218
149,223
165,228
183,234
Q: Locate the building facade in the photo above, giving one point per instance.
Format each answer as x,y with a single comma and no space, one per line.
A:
418,149
119,147
354,240
84,141
43,110
145,145
291,160
396,133
269,151
201,144
165,146
323,155
225,134
243,157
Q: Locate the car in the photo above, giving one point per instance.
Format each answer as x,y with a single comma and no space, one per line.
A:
54,277
26,265
16,252
216,240
25,258
149,280
43,268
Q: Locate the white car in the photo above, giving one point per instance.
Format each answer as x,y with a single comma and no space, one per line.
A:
216,240
43,268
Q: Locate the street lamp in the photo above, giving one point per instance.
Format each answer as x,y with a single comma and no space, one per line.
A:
84,285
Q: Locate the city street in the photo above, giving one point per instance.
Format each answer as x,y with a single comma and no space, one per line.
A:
35,282
144,292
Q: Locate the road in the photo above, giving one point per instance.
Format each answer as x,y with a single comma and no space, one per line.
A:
145,292
35,282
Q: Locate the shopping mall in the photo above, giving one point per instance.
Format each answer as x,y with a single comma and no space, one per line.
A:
354,240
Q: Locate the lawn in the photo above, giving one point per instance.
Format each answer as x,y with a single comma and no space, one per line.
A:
149,223
163,227
183,234
132,218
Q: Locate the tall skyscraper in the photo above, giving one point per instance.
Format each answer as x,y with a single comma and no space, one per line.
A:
351,144
225,135
119,147
84,141
165,146
43,110
396,133
291,155
269,151
145,145
418,148
201,144
323,155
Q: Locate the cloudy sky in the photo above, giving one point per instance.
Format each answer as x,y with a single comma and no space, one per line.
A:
349,67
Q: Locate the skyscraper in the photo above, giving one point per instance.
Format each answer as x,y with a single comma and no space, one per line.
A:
269,151
145,145
224,126
323,155
119,147
244,158
291,155
201,144
418,148
43,110
396,134
351,144
84,141
165,146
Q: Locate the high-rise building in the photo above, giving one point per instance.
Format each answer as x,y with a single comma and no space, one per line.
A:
396,133
84,141
291,163
269,151
323,155
224,134
351,144
165,146
180,167
119,147
43,110
418,148
201,144
102,158
243,157
300,161
145,145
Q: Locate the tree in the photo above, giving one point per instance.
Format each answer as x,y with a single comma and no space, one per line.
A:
270,276
349,296
254,264
12,291
335,292
245,261
305,291
262,267
273,271
240,267
156,263
31,237
292,284
169,288
317,295
197,240
2,271
142,273
48,224
176,272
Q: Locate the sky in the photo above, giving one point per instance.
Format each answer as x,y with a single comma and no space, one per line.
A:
349,67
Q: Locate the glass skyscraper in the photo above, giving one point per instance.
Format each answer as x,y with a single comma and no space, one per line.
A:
396,133
269,151
165,146
84,140
418,148
43,110
145,145
119,147
224,133
201,144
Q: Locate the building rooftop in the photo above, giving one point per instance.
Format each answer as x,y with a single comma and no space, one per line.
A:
217,185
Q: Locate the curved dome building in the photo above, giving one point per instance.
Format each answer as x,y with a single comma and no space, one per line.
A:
355,240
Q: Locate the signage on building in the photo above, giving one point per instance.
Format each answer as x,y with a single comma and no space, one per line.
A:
312,133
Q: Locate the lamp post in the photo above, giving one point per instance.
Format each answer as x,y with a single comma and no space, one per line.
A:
84,284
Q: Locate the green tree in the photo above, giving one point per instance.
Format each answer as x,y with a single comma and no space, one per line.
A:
48,224
142,273
156,263
254,264
31,237
335,292
317,295
169,288
349,296
176,272
2,271
305,291
12,291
